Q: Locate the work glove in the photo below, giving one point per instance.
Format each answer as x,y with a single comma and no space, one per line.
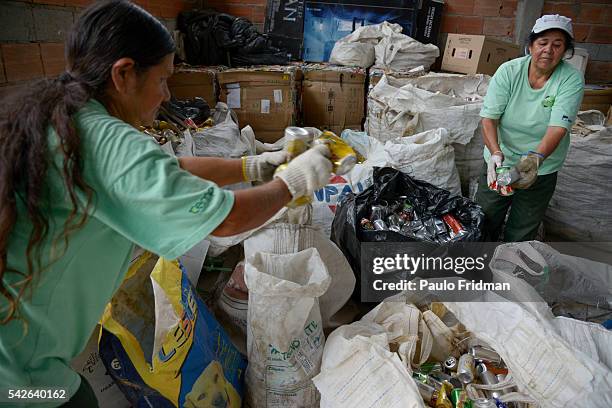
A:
528,169
494,162
262,167
308,172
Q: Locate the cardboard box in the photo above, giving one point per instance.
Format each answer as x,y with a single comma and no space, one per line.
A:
476,54
267,98
189,82
429,19
327,21
333,97
285,26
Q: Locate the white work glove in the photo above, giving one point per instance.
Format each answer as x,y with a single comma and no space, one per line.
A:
262,167
494,162
308,172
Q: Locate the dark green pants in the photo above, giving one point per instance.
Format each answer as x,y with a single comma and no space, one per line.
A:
84,397
527,208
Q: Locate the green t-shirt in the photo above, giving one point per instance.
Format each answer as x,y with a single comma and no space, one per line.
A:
525,114
141,196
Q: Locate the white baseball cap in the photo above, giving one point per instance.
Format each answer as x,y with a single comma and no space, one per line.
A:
549,21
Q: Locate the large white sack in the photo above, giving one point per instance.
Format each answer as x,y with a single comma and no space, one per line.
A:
426,156
357,48
580,207
224,139
558,362
282,238
401,107
352,54
284,329
361,350
399,52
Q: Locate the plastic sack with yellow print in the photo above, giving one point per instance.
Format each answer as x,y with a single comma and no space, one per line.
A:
163,347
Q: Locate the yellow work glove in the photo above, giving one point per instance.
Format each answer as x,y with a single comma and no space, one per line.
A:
528,169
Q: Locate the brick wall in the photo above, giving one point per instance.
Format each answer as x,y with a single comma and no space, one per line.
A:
591,21
32,34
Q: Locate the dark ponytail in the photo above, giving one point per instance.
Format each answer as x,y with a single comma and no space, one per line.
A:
105,32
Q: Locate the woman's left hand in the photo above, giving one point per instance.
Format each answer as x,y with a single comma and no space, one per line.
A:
528,169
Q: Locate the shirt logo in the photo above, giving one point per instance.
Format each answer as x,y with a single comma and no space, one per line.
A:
202,203
548,101
566,118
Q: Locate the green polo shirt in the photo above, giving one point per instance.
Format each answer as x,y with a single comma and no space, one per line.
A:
141,196
525,113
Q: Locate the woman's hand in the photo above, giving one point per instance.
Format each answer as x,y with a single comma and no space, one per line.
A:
496,160
262,167
528,169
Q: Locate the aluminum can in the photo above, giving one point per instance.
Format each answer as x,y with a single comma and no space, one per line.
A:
484,403
484,354
343,156
428,393
377,212
487,378
450,363
443,400
380,225
297,140
503,172
465,368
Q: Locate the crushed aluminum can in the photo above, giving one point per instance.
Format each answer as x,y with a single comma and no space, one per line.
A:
465,368
379,225
487,378
486,355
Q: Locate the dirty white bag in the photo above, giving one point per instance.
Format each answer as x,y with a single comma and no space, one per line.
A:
285,333
357,48
224,139
579,209
352,54
399,52
404,106
283,238
218,245
358,368
426,156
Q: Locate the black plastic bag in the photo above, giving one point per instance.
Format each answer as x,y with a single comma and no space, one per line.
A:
213,38
196,109
388,184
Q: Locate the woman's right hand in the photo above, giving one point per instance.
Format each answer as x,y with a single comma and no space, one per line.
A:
496,160
308,172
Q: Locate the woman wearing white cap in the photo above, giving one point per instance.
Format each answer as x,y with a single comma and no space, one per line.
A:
529,108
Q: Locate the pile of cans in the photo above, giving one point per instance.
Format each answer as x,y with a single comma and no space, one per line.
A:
443,384
400,216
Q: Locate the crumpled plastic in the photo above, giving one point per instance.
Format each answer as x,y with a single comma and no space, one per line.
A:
213,38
